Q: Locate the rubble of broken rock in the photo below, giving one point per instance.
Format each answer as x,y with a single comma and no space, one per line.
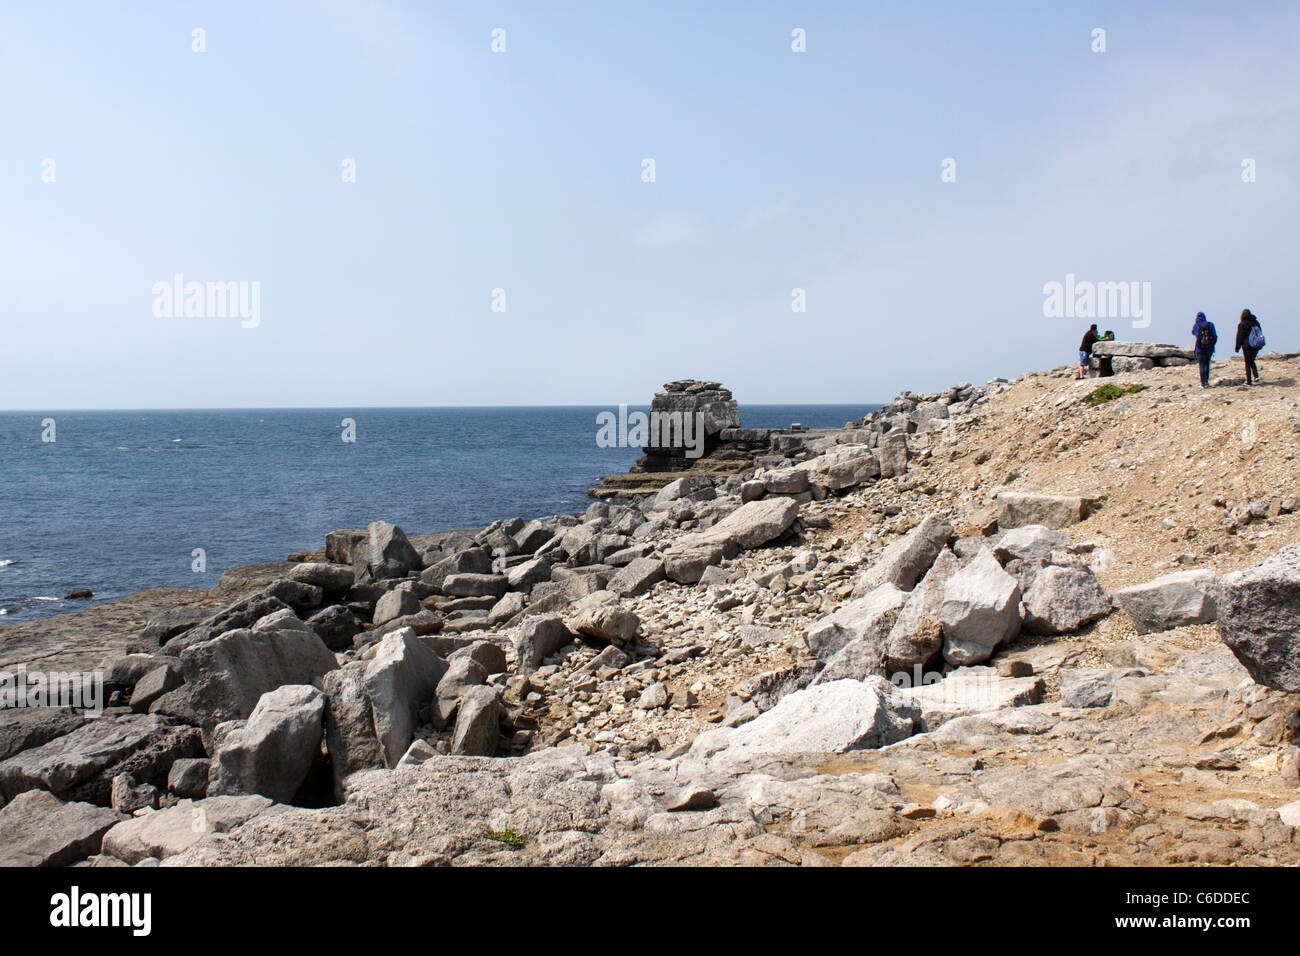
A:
921,639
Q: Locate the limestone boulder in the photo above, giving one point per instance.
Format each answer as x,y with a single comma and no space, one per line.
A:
1172,600
1017,508
1062,600
274,749
1259,618
384,553
39,829
980,610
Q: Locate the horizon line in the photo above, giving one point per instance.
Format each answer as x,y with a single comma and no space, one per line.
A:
389,408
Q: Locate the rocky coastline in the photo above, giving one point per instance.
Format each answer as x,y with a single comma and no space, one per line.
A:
1000,623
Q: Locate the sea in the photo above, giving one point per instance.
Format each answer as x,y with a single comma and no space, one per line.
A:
119,501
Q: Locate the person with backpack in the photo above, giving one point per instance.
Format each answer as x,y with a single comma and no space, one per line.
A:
1090,339
1250,339
1206,338
1105,368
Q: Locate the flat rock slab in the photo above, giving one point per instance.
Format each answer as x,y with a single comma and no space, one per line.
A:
868,618
26,727
749,526
1148,350
827,718
80,640
91,754
165,833
905,562
39,829
1174,600
1016,508
440,809
972,690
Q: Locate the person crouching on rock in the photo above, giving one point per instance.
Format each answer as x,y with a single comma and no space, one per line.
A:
1206,338
1105,368
1245,327
1085,350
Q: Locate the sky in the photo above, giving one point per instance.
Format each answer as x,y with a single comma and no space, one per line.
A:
518,178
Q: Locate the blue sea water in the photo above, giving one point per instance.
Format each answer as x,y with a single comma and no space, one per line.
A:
119,501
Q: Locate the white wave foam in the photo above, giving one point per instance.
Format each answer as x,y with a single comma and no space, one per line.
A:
6,562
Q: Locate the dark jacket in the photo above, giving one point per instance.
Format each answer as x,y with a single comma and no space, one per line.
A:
1243,332
1090,339
1196,328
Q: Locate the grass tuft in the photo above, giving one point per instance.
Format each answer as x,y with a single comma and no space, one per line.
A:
1109,392
509,836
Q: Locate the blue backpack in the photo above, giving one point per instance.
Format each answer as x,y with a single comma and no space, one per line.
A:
1256,338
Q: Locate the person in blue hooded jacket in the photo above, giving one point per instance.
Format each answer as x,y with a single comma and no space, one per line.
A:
1206,336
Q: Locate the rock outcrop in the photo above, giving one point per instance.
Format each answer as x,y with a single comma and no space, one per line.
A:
887,643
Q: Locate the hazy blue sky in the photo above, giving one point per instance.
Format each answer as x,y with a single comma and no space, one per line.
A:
522,170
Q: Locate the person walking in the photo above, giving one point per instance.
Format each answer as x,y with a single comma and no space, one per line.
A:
1250,339
1085,351
1206,338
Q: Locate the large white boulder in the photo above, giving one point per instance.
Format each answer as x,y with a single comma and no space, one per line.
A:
272,752
980,610
905,561
868,618
827,718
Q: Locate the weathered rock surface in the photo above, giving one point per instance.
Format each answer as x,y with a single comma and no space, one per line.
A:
980,610
336,626
1259,618
476,730
188,777
916,637
39,829
167,832
827,718
81,765
893,454
1063,599
637,577
272,752
601,615
334,578
400,678
749,526
972,690
1031,542
905,562
26,727
350,733
1017,508
227,676
384,553
1174,600
537,639
867,619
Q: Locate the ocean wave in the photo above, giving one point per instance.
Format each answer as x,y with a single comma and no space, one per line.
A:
4,563
38,598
